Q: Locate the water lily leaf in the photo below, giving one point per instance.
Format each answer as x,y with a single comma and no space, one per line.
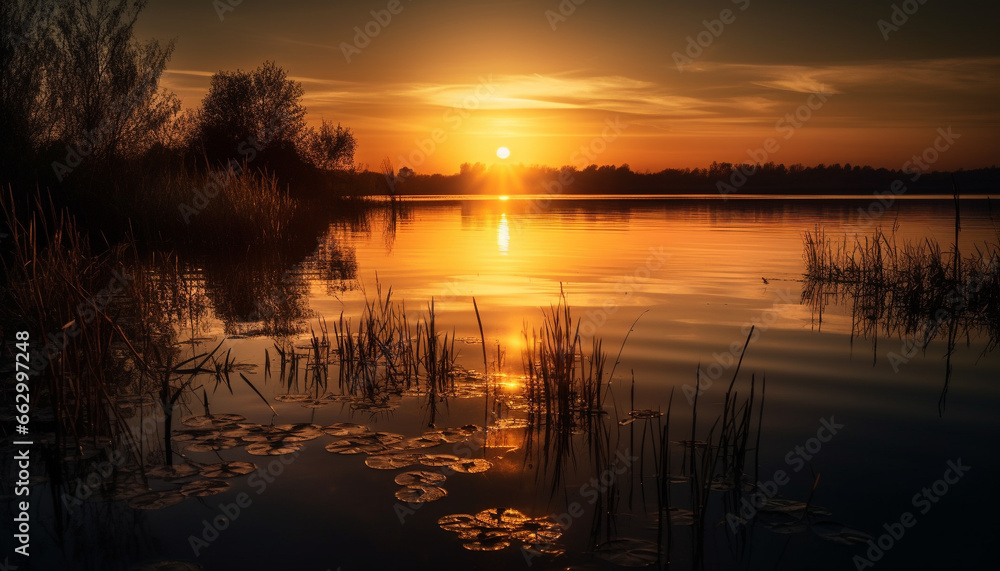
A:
495,544
212,444
194,434
419,494
459,522
627,552
228,469
204,488
297,432
471,466
173,472
345,429
437,460
502,518
292,398
273,449
365,443
422,477
421,442
156,500
390,461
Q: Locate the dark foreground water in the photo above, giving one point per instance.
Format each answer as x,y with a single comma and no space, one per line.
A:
877,437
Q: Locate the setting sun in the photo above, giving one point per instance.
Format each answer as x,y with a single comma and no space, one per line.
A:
503,152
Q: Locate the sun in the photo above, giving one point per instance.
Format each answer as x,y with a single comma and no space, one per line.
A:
503,152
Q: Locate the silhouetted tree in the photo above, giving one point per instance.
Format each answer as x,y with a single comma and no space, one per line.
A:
76,81
246,113
106,83
330,148
27,46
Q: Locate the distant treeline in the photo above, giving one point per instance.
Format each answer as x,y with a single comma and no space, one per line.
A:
719,178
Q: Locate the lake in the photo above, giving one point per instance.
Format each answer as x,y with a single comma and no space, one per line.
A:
861,435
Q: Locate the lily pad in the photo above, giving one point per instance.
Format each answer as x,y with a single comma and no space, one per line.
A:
345,429
390,461
502,518
297,432
203,488
459,522
292,398
212,444
365,443
420,477
173,472
228,469
471,466
420,494
194,434
273,449
488,543
437,460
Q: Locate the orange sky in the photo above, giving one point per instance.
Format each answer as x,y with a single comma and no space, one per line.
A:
549,86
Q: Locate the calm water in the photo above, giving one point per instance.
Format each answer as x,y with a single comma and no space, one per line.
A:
692,276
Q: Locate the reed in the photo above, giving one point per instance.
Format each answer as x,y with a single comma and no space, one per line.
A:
904,288
563,380
383,354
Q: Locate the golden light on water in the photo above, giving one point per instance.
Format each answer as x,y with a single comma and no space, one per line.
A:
503,235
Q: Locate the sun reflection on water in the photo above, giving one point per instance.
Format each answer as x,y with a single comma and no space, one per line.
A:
503,235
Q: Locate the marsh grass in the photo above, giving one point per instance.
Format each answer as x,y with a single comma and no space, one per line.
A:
563,379
383,354
250,207
905,288
69,299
